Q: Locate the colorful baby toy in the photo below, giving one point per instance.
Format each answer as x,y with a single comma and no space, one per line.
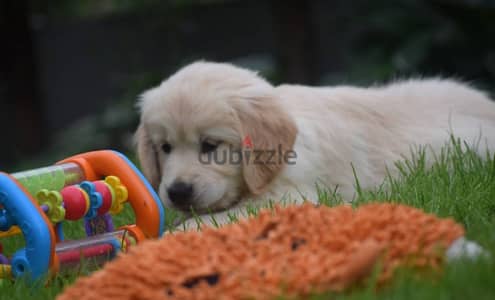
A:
90,186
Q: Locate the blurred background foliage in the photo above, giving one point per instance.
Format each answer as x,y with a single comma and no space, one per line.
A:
71,71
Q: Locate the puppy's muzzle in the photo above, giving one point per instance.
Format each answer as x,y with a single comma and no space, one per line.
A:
181,194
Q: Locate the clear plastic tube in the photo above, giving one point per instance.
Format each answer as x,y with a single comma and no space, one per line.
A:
51,178
94,251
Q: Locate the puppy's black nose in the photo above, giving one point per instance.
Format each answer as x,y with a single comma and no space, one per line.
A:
180,193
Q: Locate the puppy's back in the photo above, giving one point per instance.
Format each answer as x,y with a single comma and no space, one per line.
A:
379,125
415,104
443,94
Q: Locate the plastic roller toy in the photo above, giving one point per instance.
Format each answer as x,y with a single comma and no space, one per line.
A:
90,187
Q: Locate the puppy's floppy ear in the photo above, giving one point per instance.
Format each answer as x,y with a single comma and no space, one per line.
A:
148,157
268,133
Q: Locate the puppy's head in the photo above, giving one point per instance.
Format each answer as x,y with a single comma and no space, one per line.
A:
210,135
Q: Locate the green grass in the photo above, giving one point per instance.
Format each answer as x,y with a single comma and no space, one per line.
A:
460,184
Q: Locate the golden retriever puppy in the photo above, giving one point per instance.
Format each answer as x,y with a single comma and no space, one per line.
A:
214,137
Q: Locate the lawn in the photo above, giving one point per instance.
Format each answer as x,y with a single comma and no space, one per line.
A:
460,185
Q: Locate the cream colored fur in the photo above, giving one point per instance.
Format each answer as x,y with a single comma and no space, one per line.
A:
331,130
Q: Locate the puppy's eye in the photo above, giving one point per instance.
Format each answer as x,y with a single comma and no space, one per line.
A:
207,147
166,147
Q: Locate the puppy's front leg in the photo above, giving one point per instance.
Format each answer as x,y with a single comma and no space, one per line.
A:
211,220
219,219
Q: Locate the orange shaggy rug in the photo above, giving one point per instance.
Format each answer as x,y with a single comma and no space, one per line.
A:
292,251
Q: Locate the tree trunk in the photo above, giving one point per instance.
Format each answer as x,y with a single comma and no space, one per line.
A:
296,49
21,116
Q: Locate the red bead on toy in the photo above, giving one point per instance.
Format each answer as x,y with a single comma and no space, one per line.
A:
106,197
76,202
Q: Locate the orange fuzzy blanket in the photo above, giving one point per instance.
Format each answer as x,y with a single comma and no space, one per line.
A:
292,251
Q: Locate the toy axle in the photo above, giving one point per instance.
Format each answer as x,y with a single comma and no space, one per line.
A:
95,250
51,178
